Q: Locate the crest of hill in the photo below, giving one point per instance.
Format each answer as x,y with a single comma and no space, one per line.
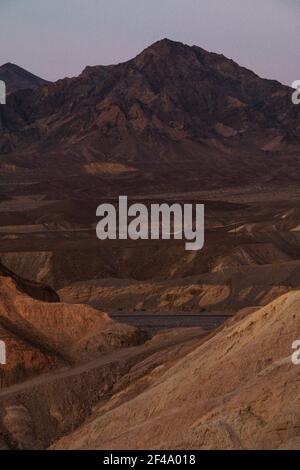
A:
16,78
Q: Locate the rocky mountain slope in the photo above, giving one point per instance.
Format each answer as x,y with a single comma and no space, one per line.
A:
173,111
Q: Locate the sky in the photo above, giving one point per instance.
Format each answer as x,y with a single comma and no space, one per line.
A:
58,38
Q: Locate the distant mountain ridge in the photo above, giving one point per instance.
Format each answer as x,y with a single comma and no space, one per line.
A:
17,78
173,109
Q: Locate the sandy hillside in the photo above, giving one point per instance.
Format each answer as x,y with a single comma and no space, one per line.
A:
239,389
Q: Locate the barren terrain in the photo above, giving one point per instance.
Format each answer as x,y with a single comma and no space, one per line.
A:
133,345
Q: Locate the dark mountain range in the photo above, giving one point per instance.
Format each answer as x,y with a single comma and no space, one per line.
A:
172,114
17,78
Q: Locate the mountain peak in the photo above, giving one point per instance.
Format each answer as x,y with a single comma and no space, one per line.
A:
166,42
17,78
165,46
10,66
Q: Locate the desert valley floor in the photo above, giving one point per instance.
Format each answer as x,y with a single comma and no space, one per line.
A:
197,352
